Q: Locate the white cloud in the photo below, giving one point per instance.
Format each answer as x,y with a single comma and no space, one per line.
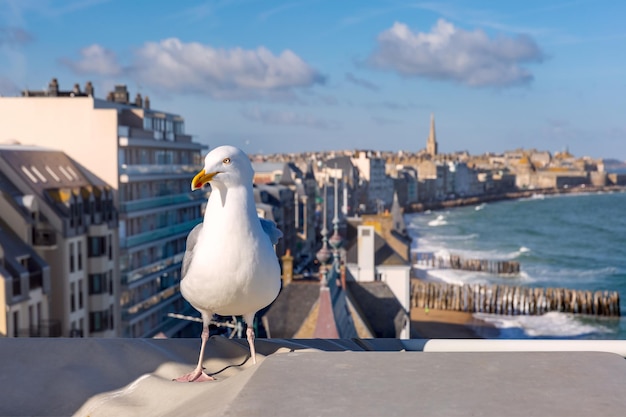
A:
95,59
450,53
173,66
179,67
287,118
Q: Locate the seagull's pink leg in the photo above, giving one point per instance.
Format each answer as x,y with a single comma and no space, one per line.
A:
250,336
198,375
249,319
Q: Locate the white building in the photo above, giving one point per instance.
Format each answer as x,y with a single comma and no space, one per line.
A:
148,160
378,186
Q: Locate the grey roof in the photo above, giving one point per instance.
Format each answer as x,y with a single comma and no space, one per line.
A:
379,306
384,254
292,307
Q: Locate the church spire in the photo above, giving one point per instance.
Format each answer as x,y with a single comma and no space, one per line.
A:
431,144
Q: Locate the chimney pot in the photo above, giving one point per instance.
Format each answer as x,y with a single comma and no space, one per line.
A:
89,89
53,88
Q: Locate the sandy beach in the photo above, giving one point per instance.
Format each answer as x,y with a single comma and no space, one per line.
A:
445,324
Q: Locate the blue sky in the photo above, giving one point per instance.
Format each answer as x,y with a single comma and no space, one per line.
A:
310,75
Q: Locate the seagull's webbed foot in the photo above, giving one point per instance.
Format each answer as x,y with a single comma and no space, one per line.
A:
197,375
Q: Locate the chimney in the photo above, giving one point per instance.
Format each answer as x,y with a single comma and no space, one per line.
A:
110,96
53,88
76,89
146,103
89,89
287,267
138,100
120,94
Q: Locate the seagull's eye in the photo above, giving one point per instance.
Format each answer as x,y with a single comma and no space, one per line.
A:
226,161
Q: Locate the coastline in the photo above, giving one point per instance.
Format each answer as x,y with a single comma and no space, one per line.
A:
447,324
513,195
456,324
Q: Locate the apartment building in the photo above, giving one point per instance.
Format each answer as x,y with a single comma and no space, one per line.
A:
24,289
379,186
59,226
146,157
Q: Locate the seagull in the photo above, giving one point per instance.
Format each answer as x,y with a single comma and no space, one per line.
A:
230,267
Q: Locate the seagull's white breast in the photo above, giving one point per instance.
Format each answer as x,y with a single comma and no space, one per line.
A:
234,270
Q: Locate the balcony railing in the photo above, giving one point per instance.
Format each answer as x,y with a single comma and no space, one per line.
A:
44,237
166,200
161,265
157,169
148,303
158,234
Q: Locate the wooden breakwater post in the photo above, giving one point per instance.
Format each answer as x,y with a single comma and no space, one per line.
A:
460,263
513,300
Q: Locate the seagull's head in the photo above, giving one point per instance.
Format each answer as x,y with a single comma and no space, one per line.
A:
226,165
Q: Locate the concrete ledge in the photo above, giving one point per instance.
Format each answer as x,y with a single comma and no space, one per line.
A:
124,377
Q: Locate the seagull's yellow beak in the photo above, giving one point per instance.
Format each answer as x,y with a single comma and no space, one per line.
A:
201,178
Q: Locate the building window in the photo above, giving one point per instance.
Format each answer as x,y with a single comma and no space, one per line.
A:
17,287
99,321
80,293
97,284
80,256
72,297
16,323
110,246
72,268
96,246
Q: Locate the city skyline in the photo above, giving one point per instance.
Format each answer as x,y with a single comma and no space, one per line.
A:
316,75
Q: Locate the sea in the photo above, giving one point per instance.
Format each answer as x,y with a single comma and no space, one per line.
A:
573,241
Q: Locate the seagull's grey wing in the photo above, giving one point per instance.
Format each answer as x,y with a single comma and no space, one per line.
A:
270,229
191,244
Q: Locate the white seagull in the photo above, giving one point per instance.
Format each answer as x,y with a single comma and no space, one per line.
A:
230,267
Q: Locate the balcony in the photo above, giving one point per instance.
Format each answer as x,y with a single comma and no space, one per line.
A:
158,169
155,267
166,200
158,234
44,237
136,137
146,305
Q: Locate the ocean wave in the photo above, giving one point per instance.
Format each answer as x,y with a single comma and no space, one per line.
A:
480,206
439,221
552,324
490,254
568,276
